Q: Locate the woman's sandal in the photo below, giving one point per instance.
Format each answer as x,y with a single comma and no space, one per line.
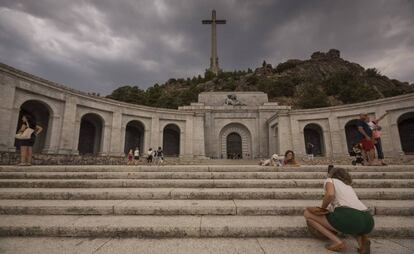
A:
337,247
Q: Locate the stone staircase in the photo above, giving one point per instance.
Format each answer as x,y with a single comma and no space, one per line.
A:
189,200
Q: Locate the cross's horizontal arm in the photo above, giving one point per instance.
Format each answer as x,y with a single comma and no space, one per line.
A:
207,22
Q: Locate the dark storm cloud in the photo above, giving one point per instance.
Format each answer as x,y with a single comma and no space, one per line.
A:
98,45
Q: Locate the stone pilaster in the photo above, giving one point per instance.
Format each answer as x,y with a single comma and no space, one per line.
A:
156,133
52,142
116,146
67,136
285,133
8,114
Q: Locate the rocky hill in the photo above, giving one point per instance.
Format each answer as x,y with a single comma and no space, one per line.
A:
323,80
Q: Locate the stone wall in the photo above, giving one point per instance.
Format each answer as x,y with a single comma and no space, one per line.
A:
12,158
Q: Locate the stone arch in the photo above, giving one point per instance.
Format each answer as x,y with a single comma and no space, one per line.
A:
246,139
351,133
42,113
134,136
90,134
406,130
313,133
171,140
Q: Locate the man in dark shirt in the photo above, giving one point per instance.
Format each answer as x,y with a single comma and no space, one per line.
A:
365,138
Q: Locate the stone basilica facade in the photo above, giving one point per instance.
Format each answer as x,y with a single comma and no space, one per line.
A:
220,125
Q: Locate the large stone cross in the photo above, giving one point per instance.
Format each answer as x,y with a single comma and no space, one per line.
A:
214,64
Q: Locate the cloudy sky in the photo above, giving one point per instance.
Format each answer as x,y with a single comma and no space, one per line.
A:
99,45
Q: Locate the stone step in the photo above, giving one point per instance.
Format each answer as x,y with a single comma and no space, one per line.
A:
198,175
195,193
186,207
201,168
180,226
196,183
108,245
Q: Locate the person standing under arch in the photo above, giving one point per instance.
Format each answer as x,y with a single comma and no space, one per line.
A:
376,135
159,156
136,155
25,139
310,150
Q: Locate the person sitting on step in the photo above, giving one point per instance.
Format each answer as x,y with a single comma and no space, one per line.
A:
290,159
349,216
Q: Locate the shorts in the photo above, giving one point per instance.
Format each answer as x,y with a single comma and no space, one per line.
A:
351,221
136,157
367,145
27,142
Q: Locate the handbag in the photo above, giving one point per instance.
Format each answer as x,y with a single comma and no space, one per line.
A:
317,210
26,134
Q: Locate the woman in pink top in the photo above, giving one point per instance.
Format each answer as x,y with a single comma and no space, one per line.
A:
376,135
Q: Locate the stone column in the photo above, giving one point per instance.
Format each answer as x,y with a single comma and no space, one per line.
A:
8,115
395,143
117,145
182,144
209,143
14,116
198,136
147,139
156,133
68,143
298,142
336,143
52,143
272,140
106,139
189,137
285,134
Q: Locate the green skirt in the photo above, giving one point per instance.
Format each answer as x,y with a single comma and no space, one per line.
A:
351,221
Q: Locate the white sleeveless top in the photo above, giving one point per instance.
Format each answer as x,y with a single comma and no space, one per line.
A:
344,195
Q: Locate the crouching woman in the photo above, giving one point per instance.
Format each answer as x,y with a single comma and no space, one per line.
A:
350,215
